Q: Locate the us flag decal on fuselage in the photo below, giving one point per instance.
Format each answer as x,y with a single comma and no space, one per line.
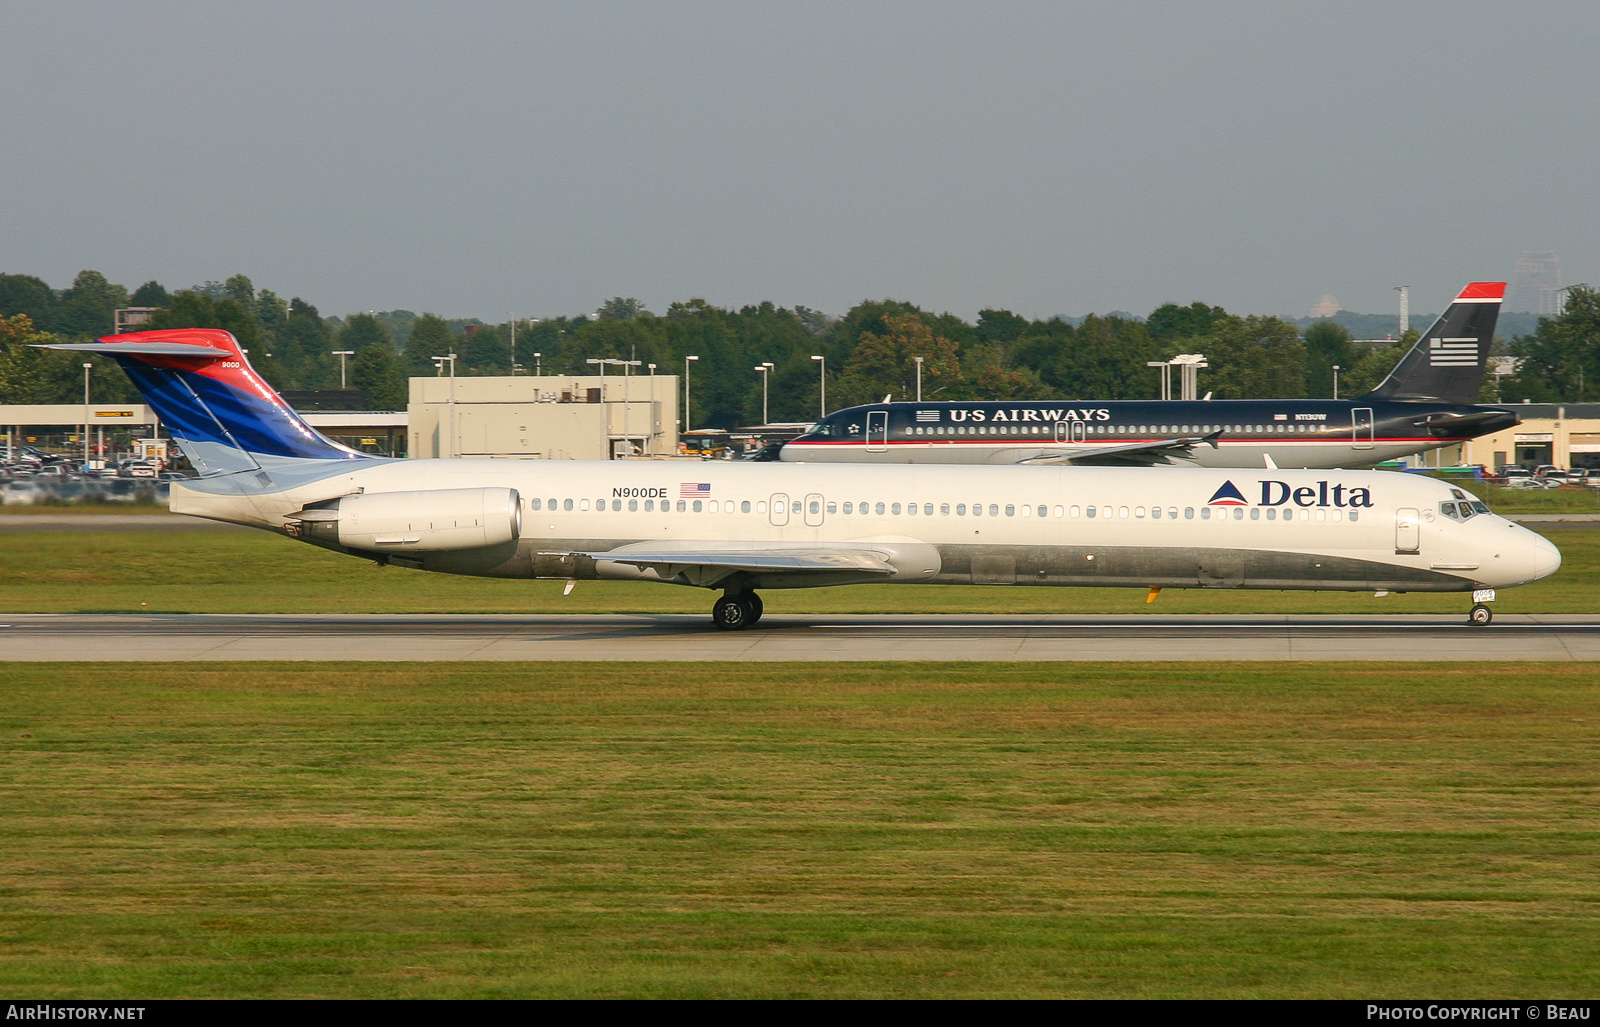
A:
694,490
1452,352
927,415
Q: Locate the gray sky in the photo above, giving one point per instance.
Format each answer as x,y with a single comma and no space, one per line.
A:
475,159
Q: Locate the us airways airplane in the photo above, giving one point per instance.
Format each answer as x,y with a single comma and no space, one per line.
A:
740,527
1426,402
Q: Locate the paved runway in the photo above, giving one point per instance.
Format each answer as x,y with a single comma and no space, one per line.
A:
49,637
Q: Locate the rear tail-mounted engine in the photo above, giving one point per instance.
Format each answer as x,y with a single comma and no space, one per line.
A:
436,520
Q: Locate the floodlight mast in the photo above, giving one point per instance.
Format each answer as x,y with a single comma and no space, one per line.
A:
86,369
439,363
686,407
763,369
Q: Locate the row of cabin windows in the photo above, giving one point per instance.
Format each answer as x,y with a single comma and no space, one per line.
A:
1155,513
1121,429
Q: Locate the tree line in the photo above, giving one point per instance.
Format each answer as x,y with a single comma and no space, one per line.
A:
870,352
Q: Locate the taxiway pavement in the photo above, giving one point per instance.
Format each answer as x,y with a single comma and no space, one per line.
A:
57,637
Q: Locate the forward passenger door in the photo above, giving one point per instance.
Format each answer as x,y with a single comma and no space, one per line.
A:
877,431
1407,530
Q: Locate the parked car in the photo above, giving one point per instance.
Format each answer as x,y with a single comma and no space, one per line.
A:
120,490
142,469
19,493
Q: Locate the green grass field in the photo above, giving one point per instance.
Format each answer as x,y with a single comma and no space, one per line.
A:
736,830
253,572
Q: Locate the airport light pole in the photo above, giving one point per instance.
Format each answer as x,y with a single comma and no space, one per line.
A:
655,419
822,386
763,369
538,367
686,392
1336,370
439,362
342,353
86,369
919,378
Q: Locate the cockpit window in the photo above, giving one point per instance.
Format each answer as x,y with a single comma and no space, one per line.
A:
1480,507
1449,510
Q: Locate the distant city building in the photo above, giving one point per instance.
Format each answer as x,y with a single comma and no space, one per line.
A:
1327,306
1536,284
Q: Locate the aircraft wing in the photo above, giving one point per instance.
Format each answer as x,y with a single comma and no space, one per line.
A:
707,563
1138,454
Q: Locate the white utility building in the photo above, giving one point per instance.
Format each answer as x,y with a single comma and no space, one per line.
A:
582,417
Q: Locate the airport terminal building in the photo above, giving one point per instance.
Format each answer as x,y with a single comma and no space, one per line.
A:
1564,434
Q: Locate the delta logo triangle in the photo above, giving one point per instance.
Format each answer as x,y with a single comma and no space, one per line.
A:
1227,495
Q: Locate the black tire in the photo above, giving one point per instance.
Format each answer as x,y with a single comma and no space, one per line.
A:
732,613
1480,616
757,607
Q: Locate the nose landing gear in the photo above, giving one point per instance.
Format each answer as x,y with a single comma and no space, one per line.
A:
1480,616
735,611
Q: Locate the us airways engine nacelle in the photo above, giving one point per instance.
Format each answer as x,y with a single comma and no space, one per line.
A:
433,521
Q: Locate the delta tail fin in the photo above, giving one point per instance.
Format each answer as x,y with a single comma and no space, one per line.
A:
225,417
1448,361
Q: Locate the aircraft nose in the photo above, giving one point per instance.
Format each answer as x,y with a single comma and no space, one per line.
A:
1546,557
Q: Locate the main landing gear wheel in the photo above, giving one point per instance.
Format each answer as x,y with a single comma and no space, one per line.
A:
1480,616
736,612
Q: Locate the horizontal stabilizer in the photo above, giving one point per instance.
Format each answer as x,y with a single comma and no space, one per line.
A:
145,349
1448,425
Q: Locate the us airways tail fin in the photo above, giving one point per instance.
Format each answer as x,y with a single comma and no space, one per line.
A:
1447,363
225,417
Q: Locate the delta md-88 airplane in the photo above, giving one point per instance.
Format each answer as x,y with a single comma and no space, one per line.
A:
1426,402
743,526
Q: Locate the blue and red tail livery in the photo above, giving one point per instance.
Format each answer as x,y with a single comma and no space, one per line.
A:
201,385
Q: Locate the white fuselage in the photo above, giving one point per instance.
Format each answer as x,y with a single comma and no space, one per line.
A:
1284,452
1175,527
